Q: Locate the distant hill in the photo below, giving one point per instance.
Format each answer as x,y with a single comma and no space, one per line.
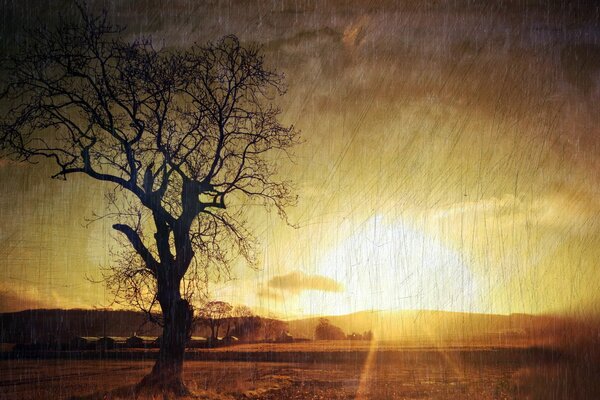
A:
441,325
38,325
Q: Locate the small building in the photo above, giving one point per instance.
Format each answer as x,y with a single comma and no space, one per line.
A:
105,343
110,342
140,342
285,337
197,342
229,340
134,342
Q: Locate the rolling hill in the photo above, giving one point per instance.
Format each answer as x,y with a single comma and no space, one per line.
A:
444,325
36,325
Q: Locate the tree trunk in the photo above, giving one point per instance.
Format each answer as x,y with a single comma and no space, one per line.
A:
166,377
212,331
167,374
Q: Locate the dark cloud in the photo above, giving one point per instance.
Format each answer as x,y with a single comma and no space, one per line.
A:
298,281
581,63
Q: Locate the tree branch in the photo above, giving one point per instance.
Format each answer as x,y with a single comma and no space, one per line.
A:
138,246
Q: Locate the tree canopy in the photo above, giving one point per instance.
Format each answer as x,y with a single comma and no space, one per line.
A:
177,131
326,331
179,134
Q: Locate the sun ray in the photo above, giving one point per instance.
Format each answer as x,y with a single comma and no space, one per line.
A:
366,375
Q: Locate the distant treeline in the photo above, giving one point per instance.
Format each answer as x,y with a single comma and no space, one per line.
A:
61,326
325,330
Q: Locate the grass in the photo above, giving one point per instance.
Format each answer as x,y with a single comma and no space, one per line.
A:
389,373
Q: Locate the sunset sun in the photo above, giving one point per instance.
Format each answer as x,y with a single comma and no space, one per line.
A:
314,199
390,265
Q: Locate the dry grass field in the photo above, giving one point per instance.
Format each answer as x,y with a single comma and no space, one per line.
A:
383,373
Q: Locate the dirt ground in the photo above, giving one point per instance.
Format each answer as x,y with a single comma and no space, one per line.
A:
411,375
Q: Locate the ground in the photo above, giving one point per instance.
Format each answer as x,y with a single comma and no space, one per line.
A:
432,373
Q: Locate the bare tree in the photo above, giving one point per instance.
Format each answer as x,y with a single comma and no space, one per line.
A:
326,331
214,314
239,313
246,324
185,137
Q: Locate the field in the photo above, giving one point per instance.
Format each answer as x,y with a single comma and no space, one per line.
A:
350,371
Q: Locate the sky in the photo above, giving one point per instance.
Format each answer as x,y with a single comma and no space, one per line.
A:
450,160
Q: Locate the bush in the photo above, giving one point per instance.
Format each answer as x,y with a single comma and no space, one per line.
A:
326,331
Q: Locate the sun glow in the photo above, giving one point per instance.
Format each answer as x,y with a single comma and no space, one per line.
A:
393,266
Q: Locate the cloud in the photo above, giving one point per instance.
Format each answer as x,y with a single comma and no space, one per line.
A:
12,300
298,281
577,210
505,204
267,293
27,296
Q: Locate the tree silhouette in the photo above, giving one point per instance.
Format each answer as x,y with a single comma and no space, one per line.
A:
326,331
214,314
183,136
239,314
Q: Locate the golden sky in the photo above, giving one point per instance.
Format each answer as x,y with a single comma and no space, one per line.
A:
450,161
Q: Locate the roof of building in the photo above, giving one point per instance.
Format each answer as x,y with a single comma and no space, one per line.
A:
144,338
